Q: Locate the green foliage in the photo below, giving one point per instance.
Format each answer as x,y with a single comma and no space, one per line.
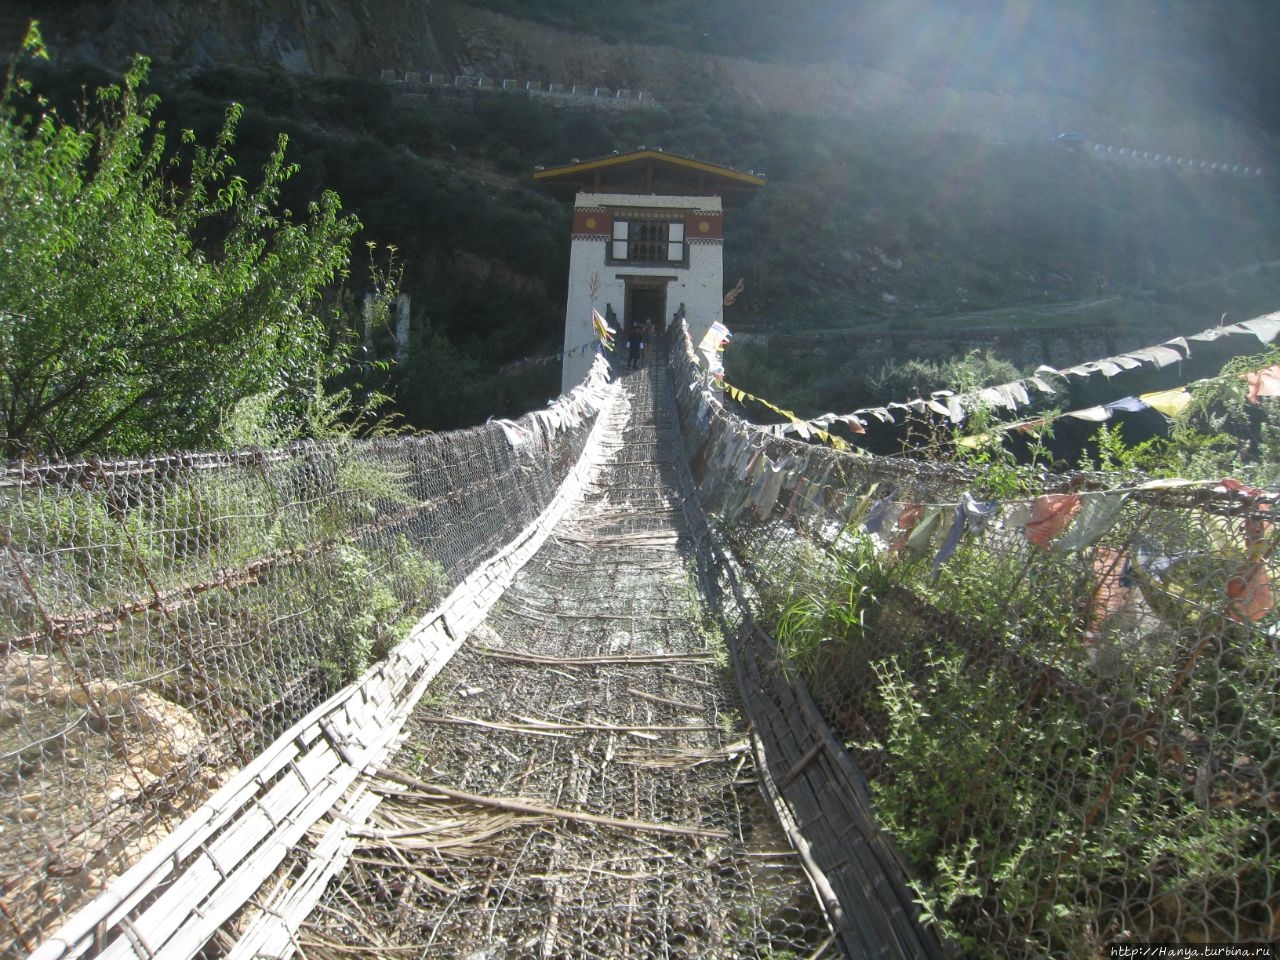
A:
1031,601
854,209
314,589
1220,433
917,377
218,518
978,836
145,291
351,608
1036,826
835,607
254,421
986,794
352,603
836,378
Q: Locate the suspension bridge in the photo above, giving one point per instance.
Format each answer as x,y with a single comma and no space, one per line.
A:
515,691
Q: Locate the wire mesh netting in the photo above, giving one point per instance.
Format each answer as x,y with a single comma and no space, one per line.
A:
164,620
579,781
1065,700
1061,703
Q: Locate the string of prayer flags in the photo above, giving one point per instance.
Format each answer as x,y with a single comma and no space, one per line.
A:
805,428
1262,383
1173,581
551,357
1176,585
1013,396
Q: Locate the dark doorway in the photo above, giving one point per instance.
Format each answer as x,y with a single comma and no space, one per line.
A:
646,305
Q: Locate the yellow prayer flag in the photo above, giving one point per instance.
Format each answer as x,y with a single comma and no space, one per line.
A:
604,333
1168,402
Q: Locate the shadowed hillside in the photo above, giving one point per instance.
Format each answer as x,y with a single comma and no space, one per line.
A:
910,187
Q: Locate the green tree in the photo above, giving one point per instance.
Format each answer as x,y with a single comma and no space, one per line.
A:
145,290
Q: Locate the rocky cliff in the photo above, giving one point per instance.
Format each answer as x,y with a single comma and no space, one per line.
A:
503,46
325,37
363,37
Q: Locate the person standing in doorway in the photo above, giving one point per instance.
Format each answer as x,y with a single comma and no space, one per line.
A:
634,343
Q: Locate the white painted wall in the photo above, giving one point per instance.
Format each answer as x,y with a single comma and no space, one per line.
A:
586,257
700,286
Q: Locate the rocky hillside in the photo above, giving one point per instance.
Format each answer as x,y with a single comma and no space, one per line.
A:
910,189
505,46
1127,77
323,37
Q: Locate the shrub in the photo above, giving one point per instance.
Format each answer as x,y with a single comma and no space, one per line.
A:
134,310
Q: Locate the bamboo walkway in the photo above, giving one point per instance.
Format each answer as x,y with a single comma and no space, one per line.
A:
579,781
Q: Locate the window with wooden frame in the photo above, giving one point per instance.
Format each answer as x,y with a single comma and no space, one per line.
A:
648,241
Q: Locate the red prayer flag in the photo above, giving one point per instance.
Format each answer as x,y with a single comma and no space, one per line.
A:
1263,383
1050,515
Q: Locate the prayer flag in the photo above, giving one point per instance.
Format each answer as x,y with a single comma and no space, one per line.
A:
1098,514
716,336
1249,591
1168,402
604,333
1092,414
1127,405
1113,588
1263,383
1050,515
1249,594
1265,328
1161,356
952,541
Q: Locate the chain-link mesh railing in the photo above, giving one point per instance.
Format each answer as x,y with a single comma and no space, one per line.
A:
1060,703
165,619
1065,700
